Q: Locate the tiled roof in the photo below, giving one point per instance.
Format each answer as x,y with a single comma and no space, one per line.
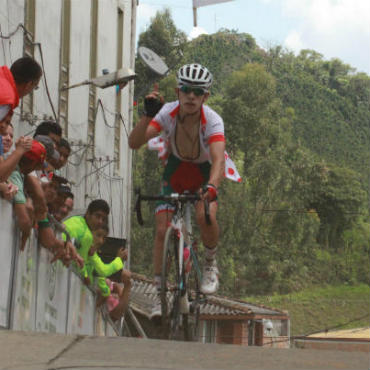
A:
143,293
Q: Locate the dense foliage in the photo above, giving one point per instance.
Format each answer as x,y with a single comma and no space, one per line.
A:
298,129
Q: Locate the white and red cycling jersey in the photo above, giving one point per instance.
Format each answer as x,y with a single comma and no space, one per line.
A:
211,130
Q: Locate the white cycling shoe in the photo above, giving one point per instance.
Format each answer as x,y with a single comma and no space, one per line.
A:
210,282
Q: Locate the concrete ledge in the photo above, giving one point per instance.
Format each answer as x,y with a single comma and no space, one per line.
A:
28,351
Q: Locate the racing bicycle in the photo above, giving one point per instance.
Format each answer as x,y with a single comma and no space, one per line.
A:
181,276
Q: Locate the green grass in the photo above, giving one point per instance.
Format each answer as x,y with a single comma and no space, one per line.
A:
322,308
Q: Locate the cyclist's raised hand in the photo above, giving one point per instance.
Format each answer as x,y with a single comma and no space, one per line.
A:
153,102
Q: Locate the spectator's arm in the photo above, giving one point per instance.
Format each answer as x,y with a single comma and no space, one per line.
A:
22,145
141,133
8,190
104,269
8,165
47,238
23,218
24,222
34,188
103,286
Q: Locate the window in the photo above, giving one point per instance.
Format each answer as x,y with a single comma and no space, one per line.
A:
208,331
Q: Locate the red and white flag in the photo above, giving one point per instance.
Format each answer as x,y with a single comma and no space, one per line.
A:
230,169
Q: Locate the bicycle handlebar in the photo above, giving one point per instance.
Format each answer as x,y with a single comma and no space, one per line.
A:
172,198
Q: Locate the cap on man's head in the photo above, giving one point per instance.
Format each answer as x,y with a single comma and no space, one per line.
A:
51,152
37,153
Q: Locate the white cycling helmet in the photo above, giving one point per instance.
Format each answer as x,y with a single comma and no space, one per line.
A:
194,75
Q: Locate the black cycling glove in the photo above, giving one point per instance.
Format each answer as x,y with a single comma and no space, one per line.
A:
152,106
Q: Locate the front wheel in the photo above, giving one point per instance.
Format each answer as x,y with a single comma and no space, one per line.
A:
191,320
171,285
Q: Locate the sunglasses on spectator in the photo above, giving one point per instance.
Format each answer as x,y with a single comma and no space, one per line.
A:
198,91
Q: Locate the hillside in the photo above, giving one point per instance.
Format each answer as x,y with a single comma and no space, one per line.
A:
297,129
322,309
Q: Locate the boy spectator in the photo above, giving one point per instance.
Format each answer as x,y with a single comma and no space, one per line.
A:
51,129
111,293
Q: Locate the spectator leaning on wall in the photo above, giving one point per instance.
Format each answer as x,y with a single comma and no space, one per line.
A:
80,229
115,297
30,161
7,189
63,204
22,77
23,144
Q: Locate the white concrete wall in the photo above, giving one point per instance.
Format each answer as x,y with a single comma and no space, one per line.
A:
47,34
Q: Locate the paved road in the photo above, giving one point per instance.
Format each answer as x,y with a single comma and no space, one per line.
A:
36,351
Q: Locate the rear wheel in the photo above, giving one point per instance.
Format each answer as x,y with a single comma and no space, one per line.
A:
170,287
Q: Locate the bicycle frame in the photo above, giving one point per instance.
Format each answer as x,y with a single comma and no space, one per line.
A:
182,224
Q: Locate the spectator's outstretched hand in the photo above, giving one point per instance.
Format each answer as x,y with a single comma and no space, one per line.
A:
10,192
60,253
76,257
24,143
126,278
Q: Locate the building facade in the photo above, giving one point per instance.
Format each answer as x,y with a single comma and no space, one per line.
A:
74,41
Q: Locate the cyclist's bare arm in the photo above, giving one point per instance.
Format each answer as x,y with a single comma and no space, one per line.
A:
138,135
217,153
142,132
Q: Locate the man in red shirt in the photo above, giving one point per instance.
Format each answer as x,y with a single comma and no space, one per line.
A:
22,77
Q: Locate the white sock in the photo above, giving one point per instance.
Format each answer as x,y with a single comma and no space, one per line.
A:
210,254
158,282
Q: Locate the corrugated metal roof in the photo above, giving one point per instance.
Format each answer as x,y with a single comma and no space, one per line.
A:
143,294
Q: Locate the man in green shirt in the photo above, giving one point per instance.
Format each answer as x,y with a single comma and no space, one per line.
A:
80,229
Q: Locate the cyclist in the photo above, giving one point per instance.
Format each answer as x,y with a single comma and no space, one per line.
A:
194,140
